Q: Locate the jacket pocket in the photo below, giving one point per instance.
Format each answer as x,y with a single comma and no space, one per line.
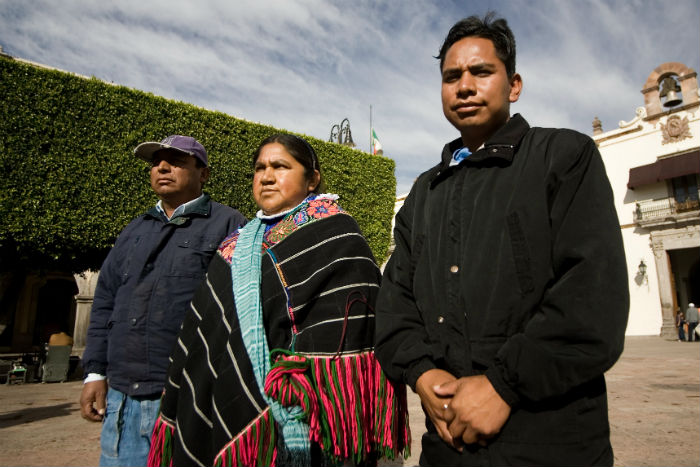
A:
111,426
192,256
577,417
521,253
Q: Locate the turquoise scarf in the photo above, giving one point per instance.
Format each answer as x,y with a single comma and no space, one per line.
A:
245,272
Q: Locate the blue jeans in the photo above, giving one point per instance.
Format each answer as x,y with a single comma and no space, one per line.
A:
127,429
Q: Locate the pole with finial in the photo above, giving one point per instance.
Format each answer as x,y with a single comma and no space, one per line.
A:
370,129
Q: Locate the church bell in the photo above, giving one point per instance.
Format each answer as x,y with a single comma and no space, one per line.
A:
669,90
672,99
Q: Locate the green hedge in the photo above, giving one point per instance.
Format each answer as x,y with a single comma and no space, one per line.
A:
70,182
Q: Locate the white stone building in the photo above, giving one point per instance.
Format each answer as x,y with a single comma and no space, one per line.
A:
653,162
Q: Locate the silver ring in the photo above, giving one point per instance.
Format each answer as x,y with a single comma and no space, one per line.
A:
444,406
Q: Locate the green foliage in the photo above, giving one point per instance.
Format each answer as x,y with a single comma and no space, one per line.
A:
70,183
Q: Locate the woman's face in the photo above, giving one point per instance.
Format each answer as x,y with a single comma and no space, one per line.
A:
279,182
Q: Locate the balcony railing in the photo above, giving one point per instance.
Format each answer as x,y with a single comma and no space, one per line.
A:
668,208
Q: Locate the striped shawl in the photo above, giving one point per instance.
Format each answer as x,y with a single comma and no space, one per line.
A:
319,284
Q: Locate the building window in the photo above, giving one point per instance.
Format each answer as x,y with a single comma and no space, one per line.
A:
685,188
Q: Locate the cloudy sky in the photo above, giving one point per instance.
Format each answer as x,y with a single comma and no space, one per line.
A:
305,65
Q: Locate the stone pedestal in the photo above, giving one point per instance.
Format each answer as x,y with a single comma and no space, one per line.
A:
87,282
663,271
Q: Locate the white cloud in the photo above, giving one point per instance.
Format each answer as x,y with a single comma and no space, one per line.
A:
306,65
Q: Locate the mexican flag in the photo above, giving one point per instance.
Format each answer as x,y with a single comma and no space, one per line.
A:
376,145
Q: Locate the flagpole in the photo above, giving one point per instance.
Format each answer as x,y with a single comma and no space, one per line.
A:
371,151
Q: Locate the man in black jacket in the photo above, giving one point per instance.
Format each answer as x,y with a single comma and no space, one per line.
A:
144,288
506,298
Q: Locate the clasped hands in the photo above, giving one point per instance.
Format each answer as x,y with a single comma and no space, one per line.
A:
464,410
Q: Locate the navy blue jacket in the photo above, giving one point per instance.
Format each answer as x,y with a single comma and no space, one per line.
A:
145,286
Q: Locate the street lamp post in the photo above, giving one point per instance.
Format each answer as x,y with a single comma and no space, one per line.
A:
341,134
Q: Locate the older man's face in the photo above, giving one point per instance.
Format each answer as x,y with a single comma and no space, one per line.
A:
176,177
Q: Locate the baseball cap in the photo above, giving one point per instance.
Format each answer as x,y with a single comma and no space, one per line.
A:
186,144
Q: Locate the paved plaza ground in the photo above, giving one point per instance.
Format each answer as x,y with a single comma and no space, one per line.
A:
653,391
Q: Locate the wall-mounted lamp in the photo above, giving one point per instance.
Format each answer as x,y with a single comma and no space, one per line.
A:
642,277
642,269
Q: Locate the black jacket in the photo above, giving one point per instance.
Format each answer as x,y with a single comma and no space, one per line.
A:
143,290
512,265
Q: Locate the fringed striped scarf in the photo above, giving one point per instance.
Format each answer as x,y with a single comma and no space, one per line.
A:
245,274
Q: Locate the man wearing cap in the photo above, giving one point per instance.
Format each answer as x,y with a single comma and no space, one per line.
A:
144,288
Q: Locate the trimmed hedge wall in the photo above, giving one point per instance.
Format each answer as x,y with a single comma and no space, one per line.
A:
70,182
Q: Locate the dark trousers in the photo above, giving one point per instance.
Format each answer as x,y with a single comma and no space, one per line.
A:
691,331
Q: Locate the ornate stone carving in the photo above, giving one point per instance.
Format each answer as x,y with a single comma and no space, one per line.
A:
657,246
641,112
675,129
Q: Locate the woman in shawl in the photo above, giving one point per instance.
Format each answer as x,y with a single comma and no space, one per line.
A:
274,364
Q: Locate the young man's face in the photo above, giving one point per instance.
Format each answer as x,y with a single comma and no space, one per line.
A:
476,90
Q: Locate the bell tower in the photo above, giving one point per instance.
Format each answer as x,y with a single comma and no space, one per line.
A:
673,82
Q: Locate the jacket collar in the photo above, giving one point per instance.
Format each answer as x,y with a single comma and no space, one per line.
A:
201,207
501,145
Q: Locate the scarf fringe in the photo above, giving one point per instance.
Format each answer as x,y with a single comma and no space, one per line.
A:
325,387
255,445
161,451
